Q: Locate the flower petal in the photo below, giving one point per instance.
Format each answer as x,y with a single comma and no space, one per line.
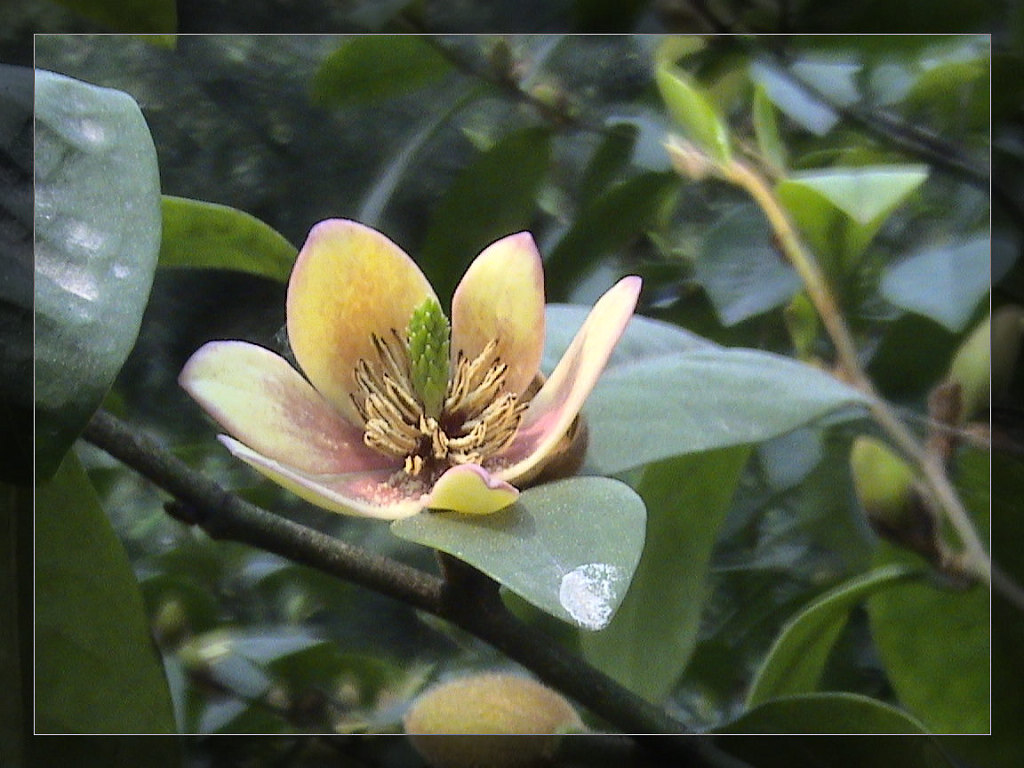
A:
471,489
349,282
501,297
364,494
560,399
260,399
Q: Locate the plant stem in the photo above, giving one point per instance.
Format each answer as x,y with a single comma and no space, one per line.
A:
465,597
936,483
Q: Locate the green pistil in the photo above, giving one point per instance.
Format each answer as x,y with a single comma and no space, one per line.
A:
428,336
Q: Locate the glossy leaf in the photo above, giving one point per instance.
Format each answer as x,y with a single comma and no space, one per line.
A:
495,195
138,16
570,547
201,234
740,268
97,214
825,713
796,660
797,103
692,109
370,68
934,640
944,283
686,498
97,669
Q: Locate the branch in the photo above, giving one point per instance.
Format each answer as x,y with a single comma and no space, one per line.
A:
465,597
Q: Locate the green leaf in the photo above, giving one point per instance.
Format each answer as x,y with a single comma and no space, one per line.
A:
606,226
651,639
200,234
797,103
371,68
97,670
824,713
138,16
839,210
494,196
741,270
569,547
934,641
609,159
797,658
97,212
692,109
766,130
944,283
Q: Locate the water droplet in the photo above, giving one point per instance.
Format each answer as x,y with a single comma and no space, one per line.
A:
588,593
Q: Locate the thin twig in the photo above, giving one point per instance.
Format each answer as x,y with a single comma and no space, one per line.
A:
465,597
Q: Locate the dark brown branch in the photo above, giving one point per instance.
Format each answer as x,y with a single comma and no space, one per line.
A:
464,597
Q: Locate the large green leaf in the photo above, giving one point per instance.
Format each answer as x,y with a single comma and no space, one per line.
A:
934,640
200,234
944,283
839,210
648,644
740,268
370,68
494,196
797,658
569,547
97,670
832,713
667,392
97,213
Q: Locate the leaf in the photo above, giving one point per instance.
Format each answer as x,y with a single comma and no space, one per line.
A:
934,641
138,16
200,234
608,225
943,283
824,713
569,547
686,498
691,108
839,210
97,670
97,213
494,196
609,159
766,130
371,68
797,658
16,267
795,102
740,268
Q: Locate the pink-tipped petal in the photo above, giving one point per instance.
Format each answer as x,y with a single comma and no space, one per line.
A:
472,490
501,297
363,494
259,398
560,399
349,282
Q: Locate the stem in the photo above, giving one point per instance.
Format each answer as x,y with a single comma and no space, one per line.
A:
465,597
936,485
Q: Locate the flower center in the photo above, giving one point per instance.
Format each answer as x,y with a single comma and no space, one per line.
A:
475,421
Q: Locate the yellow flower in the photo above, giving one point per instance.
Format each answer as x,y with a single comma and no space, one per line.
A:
369,430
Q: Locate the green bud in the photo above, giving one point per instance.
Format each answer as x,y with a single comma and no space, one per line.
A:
970,367
884,482
428,338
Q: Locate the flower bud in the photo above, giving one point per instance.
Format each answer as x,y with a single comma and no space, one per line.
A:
970,368
478,721
883,481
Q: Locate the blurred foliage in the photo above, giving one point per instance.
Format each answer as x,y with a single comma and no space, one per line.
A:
880,148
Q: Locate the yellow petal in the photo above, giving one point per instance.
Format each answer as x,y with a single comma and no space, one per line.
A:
349,282
363,494
264,402
560,399
501,297
470,489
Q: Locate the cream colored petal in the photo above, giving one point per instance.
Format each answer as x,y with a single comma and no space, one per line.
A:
501,297
560,399
363,494
259,398
471,489
349,282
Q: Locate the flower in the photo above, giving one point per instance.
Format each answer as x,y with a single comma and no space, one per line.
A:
392,415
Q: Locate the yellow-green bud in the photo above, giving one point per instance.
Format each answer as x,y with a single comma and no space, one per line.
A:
884,482
970,367
478,722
